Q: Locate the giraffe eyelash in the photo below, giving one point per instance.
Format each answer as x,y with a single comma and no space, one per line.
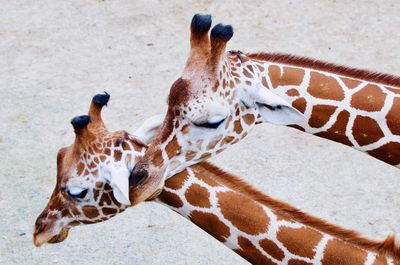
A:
80,195
209,125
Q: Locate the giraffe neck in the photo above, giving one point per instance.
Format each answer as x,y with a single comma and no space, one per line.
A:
350,106
221,205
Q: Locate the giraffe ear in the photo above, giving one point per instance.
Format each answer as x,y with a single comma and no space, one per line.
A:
149,128
119,182
275,109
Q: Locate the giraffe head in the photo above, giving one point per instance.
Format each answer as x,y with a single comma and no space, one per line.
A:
92,176
213,105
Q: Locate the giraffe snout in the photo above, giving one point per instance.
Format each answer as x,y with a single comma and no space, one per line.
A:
41,228
47,230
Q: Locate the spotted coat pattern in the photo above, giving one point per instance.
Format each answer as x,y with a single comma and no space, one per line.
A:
253,230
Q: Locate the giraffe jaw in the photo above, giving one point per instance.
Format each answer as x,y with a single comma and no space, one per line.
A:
48,237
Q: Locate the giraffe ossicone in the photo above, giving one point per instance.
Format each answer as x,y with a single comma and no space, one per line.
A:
260,229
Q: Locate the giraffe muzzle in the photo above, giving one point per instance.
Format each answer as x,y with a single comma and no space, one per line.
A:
44,233
46,237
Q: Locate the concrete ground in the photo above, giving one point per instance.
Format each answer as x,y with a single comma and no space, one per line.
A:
55,55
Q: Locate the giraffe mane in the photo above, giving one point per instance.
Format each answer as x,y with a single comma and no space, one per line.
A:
388,246
371,76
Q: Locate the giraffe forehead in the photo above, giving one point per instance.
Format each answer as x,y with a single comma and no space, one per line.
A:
179,93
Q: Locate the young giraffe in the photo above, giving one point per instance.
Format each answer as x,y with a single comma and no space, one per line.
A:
260,229
92,176
221,96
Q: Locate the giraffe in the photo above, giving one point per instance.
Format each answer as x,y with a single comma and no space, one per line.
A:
92,175
222,95
260,229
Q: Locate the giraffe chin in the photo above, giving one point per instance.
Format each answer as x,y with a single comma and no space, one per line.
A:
42,238
146,191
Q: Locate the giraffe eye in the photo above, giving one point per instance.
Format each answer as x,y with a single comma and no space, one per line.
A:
77,193
212,123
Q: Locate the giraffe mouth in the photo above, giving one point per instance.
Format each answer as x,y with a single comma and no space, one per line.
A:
154,195
46,237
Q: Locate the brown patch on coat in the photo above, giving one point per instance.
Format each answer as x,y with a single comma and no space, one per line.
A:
325,87
299,241
260,68
337,132
274,72
105,199
109,211
350,83
197,195
320,115
90,211
117,155
348,254
250,67
366,130
237,127
264,82
211,224
177,181
190,155
393,117
107,151
247,215
80,168
247,73
300,104
215,87
251,253
289,76
227,140
292,92
125,146
173,148
272,249
249,119
96,194
390,153
157,158
370,98
171,199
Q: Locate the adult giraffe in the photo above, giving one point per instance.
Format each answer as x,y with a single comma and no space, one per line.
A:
92,177
221,96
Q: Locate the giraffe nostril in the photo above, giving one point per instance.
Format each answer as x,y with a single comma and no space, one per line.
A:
40,225
137,176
